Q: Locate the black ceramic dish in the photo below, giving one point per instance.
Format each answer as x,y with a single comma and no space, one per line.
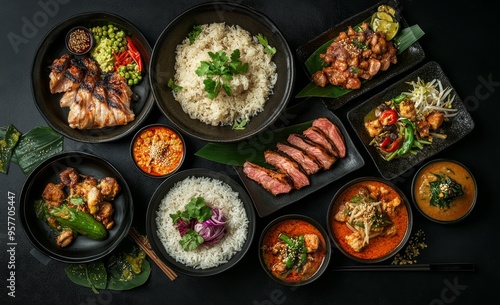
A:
455,129
163,60
406,60
308,110
330,219
82,249
311,221
53,46
151,226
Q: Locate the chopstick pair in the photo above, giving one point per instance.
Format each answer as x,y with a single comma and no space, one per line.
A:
413,267
146,247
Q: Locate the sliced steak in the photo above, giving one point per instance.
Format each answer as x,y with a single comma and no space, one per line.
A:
274,182
317,136
319,153
333,133
308,163
288,166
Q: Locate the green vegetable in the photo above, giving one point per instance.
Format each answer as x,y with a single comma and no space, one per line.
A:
191,240
398,99
9,137
263,41
194,33
296,253
36,146
444,190
195,209
78,221
220,69
239,125
173,86
125,269
409,138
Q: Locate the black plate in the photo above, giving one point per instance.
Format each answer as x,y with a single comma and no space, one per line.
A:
53,46
308,110
151,227
82,249
163,60
407,59
457,128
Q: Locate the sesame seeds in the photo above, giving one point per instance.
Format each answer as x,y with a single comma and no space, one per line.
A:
412,250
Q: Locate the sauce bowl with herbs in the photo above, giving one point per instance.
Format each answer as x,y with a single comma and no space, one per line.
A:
444,191
294,250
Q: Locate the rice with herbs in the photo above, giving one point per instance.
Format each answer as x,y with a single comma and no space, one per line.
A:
216,194
250,91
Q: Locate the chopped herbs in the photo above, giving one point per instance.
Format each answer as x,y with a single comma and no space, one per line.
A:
195,209
173,86
219,71
444,190
194,33
191,240
263,41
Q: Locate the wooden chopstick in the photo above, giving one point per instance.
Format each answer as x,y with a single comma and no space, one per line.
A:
143,242
411,267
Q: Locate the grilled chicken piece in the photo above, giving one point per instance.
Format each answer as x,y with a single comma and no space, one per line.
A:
109,188
287,166
315,134
333,133
66,73
118,99
57,69
69,177
54,194
320,154
274,182
308,163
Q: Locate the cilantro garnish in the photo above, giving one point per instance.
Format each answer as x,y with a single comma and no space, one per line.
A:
219,69
191,240
173,86
263,41
195,209
194,33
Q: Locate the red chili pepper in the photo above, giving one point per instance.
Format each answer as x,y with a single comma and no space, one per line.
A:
389,145
388,117
134,53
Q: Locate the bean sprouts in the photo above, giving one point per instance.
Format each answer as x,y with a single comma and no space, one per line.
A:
431,96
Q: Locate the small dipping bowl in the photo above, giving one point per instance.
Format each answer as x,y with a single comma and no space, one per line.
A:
459,206
79,40
158,151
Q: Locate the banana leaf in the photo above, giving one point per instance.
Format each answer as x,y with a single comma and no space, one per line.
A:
9,137
403,41
237,153
36,146
92,275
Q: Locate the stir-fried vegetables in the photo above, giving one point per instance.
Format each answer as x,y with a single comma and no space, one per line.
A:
199,224
444,190
407,122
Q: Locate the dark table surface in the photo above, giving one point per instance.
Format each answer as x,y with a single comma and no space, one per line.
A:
461,36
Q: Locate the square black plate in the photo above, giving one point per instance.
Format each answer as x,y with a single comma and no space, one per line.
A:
455,129
406,60
308,110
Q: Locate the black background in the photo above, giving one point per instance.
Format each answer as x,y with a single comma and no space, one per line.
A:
462,36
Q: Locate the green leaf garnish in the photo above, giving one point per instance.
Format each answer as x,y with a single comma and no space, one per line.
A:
220,68
191,240
239,125
173,86
77,200
194,33
263,41
195,209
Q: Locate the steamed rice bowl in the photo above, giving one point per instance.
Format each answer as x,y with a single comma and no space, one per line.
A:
217,194
250,91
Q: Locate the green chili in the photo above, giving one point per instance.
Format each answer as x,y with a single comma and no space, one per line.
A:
287,240
409,138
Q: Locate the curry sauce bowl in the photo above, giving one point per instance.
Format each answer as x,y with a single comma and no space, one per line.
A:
294,250
369,219
158,151
444,191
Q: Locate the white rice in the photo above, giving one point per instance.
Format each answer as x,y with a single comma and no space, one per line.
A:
216,194
250,91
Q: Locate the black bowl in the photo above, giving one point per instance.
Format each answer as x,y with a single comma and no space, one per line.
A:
82,249
163,60
151,226
53,46
148,174
442,216
330,219
327,245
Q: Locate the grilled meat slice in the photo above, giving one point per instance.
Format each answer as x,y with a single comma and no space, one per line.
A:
274,182
103,116
319,153
80,114
288,166
57,69
118,98
66,74
317,136
333,133
308,163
